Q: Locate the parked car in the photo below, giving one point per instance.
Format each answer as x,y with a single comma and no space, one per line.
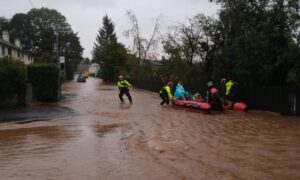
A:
80,78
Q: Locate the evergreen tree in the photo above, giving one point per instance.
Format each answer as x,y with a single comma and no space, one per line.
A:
110,54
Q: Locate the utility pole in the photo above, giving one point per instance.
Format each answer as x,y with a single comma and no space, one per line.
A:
58,64
57,50
67,45
65,63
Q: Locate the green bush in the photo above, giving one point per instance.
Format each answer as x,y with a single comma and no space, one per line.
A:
45,79
12,77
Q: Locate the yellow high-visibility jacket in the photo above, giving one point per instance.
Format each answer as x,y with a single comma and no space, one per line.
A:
229,85
168,91
123,84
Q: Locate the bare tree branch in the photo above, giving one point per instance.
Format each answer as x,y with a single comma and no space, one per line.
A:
141,45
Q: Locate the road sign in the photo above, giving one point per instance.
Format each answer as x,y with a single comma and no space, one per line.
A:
62,59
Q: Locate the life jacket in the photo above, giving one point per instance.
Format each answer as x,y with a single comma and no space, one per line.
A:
167,91
123,84
228,85
213,91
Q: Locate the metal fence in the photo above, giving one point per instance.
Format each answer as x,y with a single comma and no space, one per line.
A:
150,85
284,100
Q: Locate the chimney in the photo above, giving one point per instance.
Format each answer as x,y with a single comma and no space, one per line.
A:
18,43
5,36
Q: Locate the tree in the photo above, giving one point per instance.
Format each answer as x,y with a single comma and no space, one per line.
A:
106,36
253,42
259,40
191,39
22,28
142,46
45,58
73,54
38,30
189,45
4,25
108,52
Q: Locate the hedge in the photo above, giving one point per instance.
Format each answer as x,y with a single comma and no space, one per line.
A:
12,77
45,79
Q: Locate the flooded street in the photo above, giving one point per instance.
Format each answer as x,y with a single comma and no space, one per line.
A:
90,135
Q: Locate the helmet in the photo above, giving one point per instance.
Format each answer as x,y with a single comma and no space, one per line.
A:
223,80
170,84
210,83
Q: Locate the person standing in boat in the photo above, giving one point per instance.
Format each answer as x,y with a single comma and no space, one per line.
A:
124,85
222,88
228,90
166,94
213,96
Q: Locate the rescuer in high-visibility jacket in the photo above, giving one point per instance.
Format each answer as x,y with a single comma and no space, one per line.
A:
229,85
124,88
166,94
229,88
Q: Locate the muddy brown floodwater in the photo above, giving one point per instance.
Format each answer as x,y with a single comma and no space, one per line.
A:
103,139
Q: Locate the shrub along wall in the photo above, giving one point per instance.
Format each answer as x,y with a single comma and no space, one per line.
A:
12,78
45,79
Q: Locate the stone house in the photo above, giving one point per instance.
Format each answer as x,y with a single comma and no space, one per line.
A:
15,50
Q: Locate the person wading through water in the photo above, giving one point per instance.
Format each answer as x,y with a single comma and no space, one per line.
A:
124,88
166,94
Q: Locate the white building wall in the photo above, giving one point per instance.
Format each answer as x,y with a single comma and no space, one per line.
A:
28,60
25,59
16,54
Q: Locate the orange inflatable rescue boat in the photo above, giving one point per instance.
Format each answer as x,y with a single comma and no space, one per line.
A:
236,106
192,104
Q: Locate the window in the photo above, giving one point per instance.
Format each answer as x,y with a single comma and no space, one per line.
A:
3,51
9,52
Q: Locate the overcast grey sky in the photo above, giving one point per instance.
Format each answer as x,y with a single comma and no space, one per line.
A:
85,16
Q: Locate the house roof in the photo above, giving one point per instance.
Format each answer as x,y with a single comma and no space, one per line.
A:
13,46
84,68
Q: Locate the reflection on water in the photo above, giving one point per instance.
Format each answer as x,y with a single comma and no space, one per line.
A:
39,140
102,130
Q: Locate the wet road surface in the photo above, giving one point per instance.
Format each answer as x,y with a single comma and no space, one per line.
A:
90,135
